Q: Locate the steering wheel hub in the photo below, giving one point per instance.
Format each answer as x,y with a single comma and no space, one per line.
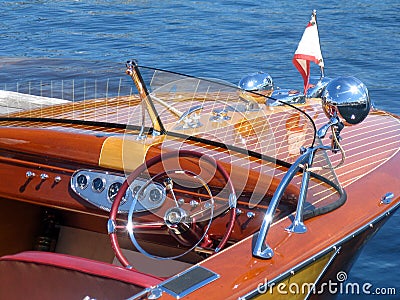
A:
175,216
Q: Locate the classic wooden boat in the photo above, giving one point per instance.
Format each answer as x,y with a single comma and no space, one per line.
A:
192,188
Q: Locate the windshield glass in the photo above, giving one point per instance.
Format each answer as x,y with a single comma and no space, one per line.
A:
209,109
225,121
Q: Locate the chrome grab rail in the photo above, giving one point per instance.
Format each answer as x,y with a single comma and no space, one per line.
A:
261,249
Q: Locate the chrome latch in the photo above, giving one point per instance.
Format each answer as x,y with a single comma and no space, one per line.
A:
387,198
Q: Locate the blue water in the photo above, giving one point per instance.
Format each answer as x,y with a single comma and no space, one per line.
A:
224,39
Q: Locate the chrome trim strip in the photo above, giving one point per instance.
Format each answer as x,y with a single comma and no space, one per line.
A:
324,270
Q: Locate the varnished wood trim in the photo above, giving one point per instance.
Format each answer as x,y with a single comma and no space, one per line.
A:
123,153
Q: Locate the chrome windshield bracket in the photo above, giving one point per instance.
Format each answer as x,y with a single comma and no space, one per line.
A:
141,135
132,69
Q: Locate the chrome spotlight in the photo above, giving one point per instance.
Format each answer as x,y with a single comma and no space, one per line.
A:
348,98
259,81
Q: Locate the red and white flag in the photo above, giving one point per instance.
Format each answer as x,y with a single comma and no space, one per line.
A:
308,50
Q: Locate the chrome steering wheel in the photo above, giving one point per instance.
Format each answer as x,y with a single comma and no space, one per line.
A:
187,222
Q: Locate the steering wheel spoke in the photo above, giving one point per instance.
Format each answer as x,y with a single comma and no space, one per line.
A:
146,226
113,227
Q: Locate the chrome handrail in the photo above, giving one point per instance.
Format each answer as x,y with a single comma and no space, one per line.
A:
261,249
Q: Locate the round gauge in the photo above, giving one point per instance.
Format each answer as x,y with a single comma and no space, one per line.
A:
135,190
98,184
82,181
113,190
155,195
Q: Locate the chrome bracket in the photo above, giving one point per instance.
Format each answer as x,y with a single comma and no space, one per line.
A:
261,249
298,226
111,226
155,293
219,115
190,118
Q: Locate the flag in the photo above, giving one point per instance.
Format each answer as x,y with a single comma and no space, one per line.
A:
308,50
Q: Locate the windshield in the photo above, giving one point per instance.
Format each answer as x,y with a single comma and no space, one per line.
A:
209,109
223,120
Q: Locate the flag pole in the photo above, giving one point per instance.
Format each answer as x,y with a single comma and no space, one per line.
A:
314,14
309,50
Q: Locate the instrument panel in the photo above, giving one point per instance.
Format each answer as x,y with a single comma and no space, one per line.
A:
100,188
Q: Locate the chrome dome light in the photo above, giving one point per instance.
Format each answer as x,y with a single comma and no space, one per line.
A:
348,98
260,81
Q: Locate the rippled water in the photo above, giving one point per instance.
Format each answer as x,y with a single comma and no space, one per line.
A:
224,39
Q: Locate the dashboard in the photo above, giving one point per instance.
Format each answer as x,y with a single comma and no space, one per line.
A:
100,188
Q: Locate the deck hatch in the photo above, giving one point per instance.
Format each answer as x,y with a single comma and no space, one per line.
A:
188,281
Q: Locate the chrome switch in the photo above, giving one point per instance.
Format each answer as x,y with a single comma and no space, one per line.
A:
30,174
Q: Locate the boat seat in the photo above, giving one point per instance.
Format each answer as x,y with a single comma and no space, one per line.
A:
44,275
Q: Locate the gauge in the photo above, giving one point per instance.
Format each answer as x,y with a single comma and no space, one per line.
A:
113,191
82,181
135,190
155,195
98,184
